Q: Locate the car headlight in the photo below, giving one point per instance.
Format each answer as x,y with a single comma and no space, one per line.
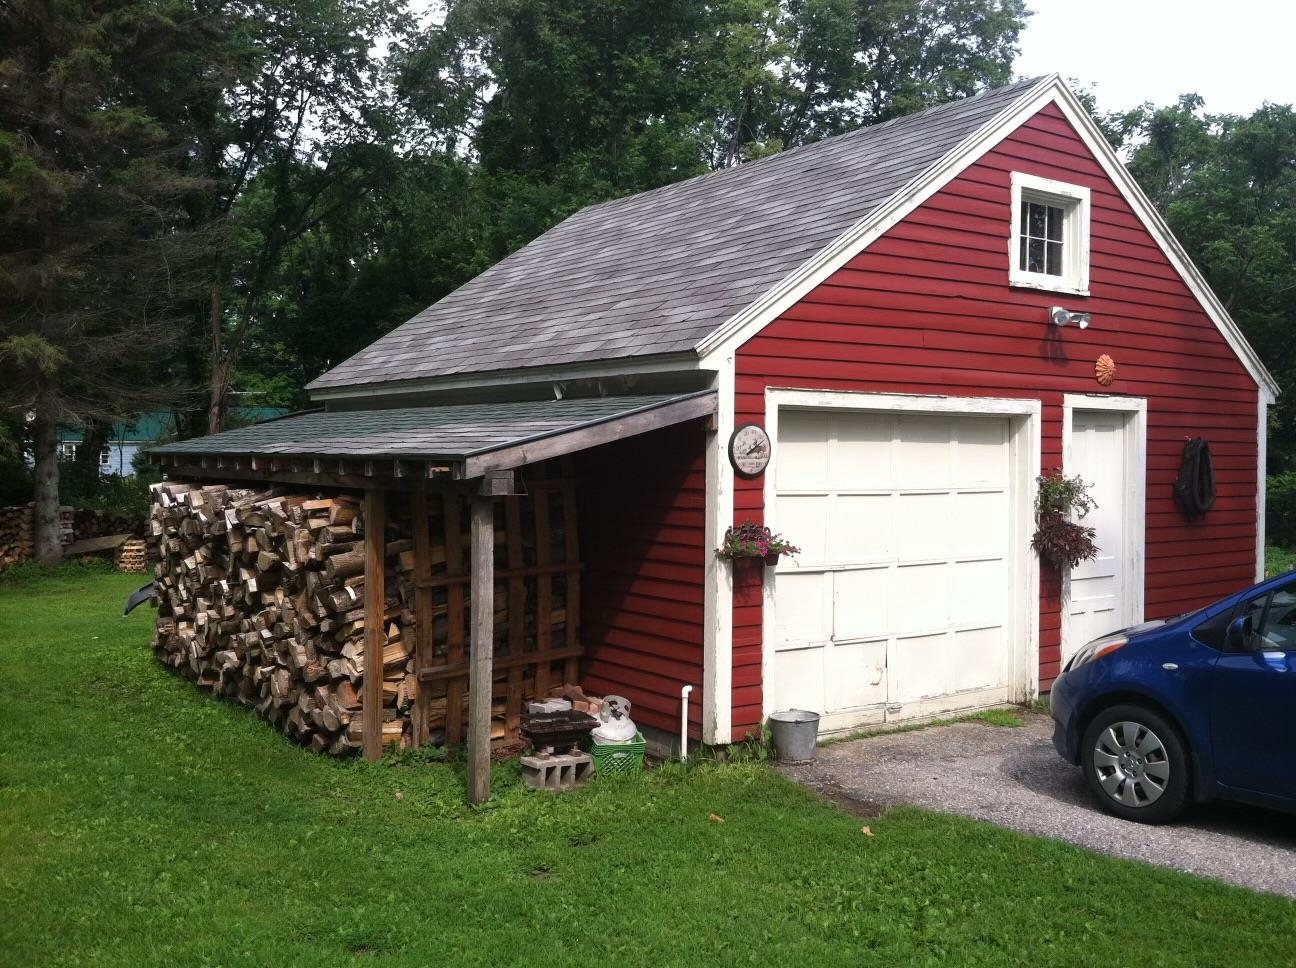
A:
1097,649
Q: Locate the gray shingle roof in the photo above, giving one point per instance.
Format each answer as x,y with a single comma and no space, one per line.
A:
426,433
656,273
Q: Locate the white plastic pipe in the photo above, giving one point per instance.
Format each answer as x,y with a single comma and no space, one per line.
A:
684,699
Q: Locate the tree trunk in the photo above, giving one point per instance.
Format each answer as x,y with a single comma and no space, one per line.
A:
45,516
220,367
218,403
94,438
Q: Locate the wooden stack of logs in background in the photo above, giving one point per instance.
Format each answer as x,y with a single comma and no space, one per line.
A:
16,542
260,598
94,523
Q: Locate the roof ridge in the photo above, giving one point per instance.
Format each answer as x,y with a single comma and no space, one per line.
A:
863,130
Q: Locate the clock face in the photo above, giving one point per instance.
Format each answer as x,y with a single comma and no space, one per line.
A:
749,450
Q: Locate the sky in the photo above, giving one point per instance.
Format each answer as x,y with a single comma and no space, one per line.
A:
1236,54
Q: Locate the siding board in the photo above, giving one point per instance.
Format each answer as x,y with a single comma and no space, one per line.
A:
643,542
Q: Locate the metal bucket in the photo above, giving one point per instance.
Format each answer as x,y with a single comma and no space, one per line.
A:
794,732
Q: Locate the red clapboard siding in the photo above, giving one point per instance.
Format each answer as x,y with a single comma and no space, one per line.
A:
643,537
927,309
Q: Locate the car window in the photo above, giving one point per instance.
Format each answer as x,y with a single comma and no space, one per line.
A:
1213,631
1279,630
1273,622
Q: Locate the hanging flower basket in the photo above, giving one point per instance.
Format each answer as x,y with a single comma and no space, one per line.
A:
749,541
1058,538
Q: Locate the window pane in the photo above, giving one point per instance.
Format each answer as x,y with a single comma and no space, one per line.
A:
1213,630
1035,259
1023,262
1055,224
1054,267
1035,223
1280,621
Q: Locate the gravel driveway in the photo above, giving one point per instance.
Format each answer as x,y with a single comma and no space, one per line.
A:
1013,778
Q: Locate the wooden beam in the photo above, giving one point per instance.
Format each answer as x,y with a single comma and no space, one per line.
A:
423,608
451,670
319,477
483,648
591,435
455,618
375,631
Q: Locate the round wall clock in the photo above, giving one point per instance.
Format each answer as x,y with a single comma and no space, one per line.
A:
749,450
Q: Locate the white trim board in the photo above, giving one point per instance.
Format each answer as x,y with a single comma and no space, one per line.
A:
738,329
717,633
1262,469
1024,447
1133,568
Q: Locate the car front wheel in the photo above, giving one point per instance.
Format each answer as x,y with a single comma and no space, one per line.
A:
1136,764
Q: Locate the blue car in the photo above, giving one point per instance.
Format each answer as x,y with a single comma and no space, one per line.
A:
1197,707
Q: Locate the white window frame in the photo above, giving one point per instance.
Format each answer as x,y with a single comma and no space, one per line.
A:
1074,202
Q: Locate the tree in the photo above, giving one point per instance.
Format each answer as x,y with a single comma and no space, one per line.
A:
276,94
568,102
1227,187
94,255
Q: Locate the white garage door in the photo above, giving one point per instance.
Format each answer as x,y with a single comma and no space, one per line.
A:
899,602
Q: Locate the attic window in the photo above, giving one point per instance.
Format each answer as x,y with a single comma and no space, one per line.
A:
1049,247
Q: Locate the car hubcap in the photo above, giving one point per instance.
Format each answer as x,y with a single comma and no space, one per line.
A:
1131,764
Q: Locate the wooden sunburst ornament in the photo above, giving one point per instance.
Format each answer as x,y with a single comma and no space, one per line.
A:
1105,370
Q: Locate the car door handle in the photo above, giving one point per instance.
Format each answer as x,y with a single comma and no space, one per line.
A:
1170,666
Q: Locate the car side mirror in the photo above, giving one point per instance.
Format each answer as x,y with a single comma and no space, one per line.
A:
1239,634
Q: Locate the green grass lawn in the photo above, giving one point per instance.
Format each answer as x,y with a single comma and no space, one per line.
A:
144,823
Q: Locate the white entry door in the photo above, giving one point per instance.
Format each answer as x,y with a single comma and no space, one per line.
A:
899,603
1100,598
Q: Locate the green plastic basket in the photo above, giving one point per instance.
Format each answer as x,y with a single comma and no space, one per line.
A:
619,757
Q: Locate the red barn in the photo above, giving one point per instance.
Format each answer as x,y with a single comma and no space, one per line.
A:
916,314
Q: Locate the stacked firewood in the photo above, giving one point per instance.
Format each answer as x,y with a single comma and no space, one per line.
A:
16,541
260,597
132,556
15,535
94,523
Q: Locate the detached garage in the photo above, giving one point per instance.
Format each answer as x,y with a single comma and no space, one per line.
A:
873,345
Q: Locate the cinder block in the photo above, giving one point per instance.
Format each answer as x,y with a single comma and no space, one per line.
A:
565,771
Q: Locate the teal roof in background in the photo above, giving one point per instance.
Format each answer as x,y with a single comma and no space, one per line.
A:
160,424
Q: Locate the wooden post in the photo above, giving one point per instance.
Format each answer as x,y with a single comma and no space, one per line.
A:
375,627
422,613
455,620
483,648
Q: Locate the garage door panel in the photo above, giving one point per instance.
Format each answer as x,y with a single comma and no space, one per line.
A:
862,602
925,451
803,456
916,666
919,599
804,613
980,456
803,520
922,526
862,528
799,680
856,674
977,524
976,593
862,455
977,659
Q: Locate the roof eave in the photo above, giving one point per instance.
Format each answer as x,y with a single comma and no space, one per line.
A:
683,361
